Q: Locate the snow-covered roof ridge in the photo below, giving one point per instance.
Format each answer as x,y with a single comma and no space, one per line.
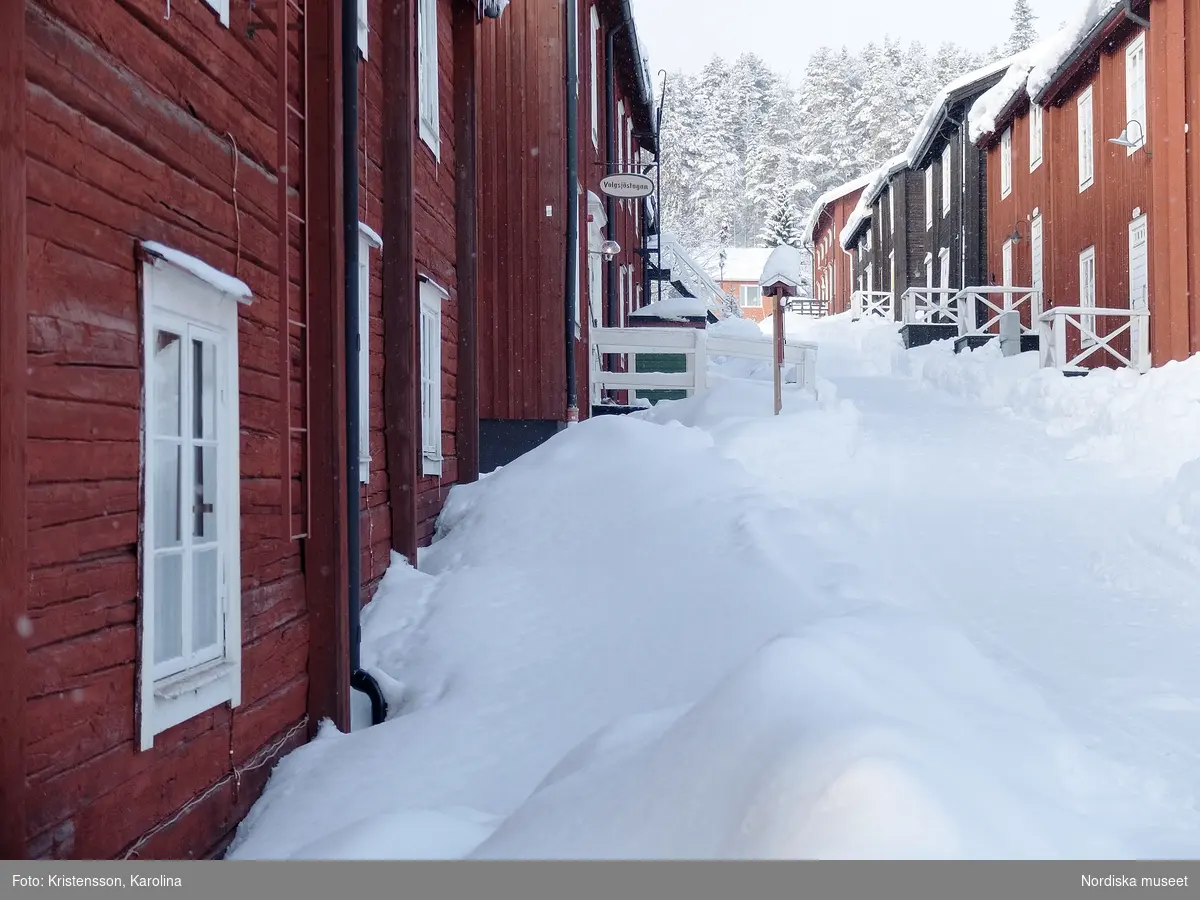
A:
862,212
1034,70
933,113
829,197
741,263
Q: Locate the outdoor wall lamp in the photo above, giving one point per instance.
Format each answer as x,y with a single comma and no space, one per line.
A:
1016,237
1123,139
609,250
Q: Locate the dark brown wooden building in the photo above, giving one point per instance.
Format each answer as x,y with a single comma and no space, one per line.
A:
542,280
185,293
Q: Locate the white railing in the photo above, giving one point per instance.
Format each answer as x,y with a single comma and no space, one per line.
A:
687,271
871,303
809,306
929,306
1054,325
698,347
990,303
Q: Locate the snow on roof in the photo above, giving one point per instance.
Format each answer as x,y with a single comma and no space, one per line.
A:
1058,49
674,308
785,265
226,284
741,263
862,212
1033,70
933,114
828,197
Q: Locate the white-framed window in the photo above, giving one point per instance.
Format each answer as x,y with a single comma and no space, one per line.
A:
190,546
1035,255
929,197
751,296
892,208
892,270
1087,163
928,270
1087,289
870,238
1135,92
638,304
1006,164
368,240
594,55
363,31
944,265
1036,140
622,279
427,75
432,297
946,171
1006,263
222,9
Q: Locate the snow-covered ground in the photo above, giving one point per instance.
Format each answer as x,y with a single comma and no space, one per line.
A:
948,608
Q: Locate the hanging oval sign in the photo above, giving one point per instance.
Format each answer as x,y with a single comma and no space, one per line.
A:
627,187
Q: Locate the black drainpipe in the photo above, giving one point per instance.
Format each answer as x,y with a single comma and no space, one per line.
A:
572,212
610,164
359,680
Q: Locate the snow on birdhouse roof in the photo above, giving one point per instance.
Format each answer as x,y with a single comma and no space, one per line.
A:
829,197
1035,69
741,264
785,265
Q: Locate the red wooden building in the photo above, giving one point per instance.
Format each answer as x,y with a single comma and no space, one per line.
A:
545,144
178,192
1092,180
833,277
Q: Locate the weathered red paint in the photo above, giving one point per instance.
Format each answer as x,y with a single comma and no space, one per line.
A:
833,270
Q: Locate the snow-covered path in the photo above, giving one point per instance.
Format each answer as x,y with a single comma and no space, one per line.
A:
949,609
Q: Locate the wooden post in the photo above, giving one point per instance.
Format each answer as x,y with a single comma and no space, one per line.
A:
778,354
401,385
14,575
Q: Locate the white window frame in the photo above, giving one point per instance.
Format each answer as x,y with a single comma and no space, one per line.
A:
429,115
746,290
1087,139
892,208
622,277
944,267
929,271
929,197
1006,263
1135,90
946,169
368,240
1087,290
620,135
175,691
433,296
1036,136
221,7
364,31
1037,254
594,53
1006,163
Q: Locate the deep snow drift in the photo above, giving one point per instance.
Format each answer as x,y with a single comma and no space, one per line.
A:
944,609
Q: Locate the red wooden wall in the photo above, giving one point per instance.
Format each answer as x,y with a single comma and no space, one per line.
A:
831,265
128,117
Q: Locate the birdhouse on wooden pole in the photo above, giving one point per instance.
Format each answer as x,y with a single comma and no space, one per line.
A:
780,279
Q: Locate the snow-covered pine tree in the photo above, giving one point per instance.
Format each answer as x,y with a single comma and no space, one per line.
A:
1024,34
783,225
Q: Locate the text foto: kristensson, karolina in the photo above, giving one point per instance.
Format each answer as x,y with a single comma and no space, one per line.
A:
1131,881
94,881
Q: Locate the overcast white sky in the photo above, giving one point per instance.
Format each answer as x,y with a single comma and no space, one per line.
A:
684,34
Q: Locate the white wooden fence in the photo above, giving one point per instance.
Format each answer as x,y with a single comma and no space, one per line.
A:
929,306
1055,324
871,303
980,308
698,346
